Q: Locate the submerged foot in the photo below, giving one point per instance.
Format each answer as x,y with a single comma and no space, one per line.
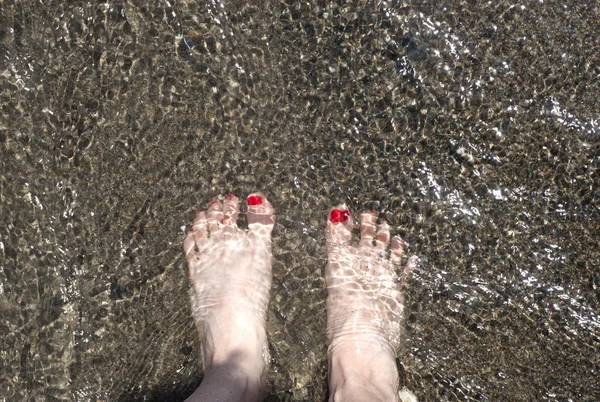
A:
365,308
230,273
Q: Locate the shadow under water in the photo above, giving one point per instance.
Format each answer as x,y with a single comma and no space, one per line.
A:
472,128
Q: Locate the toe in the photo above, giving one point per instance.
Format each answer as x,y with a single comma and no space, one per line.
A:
382,238
189,247
411,265
260,212
196,239
397,250
231,210
200,228
368,223
214,216
339,226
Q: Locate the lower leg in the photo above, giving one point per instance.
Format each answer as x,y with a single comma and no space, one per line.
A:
226,383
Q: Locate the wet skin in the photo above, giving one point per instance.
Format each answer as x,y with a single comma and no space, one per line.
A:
230,273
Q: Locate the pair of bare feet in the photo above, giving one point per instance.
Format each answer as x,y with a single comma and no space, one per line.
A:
230,272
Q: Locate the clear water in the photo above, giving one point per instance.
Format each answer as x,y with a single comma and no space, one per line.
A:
472,128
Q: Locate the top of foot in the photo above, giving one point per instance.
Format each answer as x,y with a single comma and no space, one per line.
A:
230,273
365,302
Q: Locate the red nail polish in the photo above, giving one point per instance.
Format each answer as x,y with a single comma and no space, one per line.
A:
230,197
338,216
254,200
214,202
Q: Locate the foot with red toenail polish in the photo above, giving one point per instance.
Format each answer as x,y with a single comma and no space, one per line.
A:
230,273
365,307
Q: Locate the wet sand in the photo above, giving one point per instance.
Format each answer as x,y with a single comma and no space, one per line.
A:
473,129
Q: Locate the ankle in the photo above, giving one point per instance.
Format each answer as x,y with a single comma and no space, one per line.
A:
243,359
250,356
235,357
233,336
229,379
366,371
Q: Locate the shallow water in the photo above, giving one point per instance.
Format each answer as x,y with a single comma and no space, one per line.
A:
472,128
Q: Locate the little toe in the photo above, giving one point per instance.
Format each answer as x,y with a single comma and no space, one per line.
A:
197,237
231,210
189,247
214,216
260,212
368,224
411,265
339,226
382,238
396,250
200,228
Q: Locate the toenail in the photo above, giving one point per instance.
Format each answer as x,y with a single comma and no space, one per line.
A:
338,215
254,200
230,197
214,202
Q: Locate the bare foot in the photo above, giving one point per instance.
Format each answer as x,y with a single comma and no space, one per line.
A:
365,308
230,272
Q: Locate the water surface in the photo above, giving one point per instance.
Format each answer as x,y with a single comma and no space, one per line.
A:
473,128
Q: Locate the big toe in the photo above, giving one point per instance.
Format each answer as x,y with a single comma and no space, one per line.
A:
260,212
339,226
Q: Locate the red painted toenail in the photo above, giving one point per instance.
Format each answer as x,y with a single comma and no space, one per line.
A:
214,202
230,197
338,216
254,200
